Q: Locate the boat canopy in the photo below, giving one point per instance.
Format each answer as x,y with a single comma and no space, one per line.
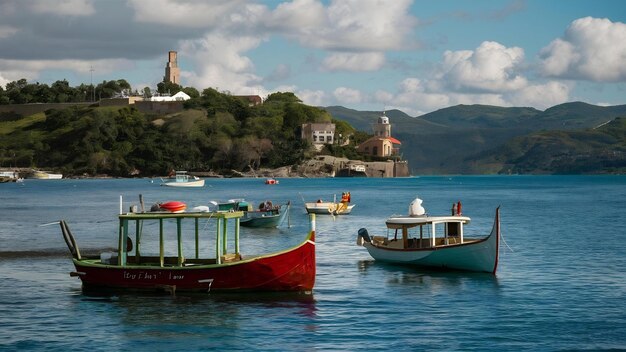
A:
221,235
412,221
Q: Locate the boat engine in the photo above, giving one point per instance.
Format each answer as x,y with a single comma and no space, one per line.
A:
362,237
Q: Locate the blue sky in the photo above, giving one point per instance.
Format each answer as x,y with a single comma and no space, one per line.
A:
416,56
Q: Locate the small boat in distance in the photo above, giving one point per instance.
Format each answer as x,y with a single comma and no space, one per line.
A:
10,176
181,179
45,175
208,263
437,242
271,181
332,208
267,215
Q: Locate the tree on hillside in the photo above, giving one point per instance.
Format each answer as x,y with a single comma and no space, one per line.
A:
168,88
280,97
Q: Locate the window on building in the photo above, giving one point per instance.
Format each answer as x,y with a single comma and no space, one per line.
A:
321,138
314,138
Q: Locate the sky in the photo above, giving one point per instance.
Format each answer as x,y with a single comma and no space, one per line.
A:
417,56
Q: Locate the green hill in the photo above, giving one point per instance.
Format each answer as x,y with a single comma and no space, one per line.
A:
599,150
217,132
577,115
481,116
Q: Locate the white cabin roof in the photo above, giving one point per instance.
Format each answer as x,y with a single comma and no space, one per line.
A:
411,221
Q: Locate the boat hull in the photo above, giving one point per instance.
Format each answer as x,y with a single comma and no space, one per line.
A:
197,183
290,270
262,220
327,208
478,256
40,175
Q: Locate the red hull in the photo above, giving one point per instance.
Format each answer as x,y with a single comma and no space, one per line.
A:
292,270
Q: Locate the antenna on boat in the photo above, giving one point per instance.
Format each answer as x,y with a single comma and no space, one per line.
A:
121,204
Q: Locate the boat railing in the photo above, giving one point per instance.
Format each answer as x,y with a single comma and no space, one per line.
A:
222,251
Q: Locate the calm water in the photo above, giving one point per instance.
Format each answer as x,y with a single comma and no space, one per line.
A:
561,283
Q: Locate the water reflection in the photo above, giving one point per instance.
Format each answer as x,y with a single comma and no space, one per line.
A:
394,274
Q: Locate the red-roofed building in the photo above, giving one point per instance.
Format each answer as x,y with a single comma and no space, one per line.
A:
382,144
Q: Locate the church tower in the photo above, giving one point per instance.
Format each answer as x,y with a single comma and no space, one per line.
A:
172,72
382,128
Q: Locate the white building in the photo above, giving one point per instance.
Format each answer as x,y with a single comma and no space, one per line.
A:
180,96
319,134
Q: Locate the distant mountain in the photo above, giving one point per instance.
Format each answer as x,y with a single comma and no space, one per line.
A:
363,120
599,150
577,115
480,116
448,140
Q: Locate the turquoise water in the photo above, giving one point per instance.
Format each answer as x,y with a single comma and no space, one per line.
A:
561,283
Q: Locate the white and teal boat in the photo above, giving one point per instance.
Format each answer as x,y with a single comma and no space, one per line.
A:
437,242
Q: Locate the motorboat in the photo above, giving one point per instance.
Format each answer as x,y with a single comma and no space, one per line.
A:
438,242
182,179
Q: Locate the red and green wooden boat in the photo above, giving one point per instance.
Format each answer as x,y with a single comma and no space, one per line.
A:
224,270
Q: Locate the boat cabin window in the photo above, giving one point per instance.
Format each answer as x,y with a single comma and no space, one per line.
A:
421,236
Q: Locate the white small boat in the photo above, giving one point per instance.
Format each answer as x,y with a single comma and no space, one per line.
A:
433,241
183,180
333,208
328,208
44,175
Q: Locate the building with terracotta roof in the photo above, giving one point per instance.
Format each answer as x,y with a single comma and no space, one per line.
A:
382,144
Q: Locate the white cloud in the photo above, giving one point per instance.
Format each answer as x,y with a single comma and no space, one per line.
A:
303,16
63,7
348,95
3,81
354,61
490,75
17,69
541,96
592,49
7,31
492,67
219,63
370,25
312,97
383,96
186,13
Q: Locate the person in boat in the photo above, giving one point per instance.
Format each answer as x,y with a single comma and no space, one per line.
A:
454,208
320,200
458,209
345,197
266,206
